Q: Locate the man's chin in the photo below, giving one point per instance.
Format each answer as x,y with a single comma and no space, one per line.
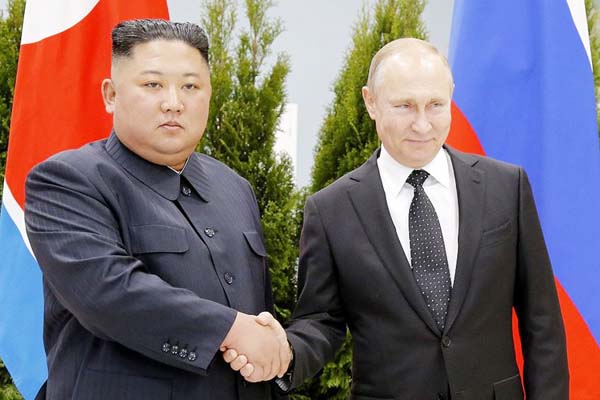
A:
419,156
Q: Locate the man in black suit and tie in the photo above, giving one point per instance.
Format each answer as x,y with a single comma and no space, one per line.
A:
152,255
423,252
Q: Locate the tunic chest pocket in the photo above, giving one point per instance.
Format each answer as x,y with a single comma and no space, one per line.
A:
256,244
158,239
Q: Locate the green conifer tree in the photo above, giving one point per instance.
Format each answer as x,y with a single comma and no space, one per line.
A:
8,391
248,99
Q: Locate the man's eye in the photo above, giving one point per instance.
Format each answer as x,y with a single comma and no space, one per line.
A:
190,86
152,84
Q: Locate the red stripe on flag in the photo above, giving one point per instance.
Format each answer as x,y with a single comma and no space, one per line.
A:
462,135
57,102
583,352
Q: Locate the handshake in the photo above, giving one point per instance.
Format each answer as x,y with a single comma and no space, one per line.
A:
257,347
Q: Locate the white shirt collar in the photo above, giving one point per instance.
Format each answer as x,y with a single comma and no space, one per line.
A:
397,173
179,172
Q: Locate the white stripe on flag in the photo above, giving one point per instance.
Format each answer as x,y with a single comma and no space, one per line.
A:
16,214
577,8
42,21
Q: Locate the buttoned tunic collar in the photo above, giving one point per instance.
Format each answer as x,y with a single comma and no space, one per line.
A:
160,178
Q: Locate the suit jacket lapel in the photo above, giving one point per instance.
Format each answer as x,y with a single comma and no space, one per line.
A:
470,186
368,199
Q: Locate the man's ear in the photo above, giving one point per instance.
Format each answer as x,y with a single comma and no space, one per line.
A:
369,100
108,95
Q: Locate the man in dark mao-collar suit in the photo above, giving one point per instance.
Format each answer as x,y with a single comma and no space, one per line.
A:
362,263
152,255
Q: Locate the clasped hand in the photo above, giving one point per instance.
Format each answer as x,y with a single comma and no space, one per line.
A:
257,347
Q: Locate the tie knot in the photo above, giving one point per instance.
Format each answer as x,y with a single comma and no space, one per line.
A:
417,177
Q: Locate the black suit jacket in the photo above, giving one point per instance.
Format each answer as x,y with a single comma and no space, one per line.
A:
143,271
353,271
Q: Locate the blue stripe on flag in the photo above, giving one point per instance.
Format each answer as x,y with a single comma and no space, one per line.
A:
21,310
524,81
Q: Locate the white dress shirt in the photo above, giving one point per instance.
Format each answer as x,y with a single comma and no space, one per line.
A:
440,187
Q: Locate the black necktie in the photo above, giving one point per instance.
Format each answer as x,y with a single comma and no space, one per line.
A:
427,251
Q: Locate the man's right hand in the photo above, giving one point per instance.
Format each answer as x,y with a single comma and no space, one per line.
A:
257,347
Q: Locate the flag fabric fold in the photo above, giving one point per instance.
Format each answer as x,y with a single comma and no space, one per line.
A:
525,87
64,55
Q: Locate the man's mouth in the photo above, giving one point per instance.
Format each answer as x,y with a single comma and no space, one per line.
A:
171,125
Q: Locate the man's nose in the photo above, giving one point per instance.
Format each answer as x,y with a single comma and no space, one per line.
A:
421,123
172,102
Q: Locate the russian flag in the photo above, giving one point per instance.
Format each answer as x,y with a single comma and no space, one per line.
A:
65,54
525,94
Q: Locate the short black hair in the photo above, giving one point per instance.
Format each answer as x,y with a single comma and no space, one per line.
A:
127,34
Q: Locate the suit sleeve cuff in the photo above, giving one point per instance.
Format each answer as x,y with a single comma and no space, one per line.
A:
284,384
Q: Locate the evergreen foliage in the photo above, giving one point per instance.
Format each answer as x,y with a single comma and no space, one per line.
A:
7,390
247,101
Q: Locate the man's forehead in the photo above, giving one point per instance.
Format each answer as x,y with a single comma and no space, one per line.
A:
410,59
410,64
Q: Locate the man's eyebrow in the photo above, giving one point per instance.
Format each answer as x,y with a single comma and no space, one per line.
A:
154,72
400,99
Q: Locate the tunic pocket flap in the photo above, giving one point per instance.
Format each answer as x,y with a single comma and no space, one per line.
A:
158,239
255,242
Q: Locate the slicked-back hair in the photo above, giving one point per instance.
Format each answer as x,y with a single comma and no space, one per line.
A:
128,34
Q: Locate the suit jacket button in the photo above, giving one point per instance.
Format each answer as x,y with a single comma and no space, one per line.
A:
440,396
186,191
210,232
192,356
446,341
183,353
166,347
228,277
